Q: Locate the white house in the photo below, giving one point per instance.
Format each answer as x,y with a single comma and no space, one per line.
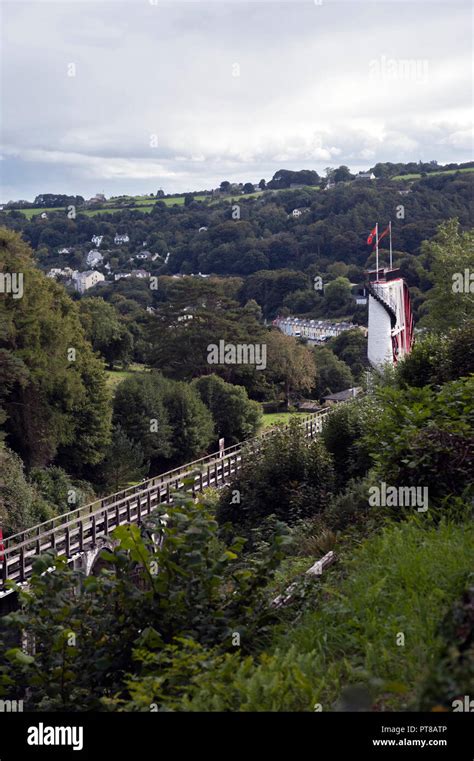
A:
64,250
365,176
299,212
143,255
97,239
85,280
119,239
94,258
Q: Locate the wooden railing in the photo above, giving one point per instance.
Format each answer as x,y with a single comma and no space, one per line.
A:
77,531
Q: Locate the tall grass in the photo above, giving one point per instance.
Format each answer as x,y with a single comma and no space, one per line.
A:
400,581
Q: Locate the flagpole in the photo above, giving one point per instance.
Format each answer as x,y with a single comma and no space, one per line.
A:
390,230
377,250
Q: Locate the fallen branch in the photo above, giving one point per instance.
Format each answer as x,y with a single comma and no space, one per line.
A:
316,570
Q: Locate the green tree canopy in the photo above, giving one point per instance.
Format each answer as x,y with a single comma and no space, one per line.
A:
57,402
236,416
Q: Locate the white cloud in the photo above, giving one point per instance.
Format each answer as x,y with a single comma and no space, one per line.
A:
305,95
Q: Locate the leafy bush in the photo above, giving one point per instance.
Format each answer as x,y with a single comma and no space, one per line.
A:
59,489
343,436
21,504
351,507
93,634
285,476
421,437
437,359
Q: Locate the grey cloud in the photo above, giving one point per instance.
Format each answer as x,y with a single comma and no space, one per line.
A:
305,95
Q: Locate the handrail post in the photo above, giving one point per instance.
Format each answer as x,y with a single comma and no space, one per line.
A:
139,510
22,564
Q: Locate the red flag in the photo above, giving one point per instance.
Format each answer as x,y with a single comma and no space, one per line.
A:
385,232
371,236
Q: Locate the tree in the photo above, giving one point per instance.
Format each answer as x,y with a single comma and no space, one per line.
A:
291,364
59,400
262,184
436,359
338,295
21,504
188,199
351,347
225,186
140,412
423,437
193,426
341,174
333,374
450,301
105,331
123,462
249,188
236,417
197,314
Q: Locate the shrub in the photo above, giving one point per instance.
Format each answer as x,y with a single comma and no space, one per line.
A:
21,504
437,359
286,477
421,437
151,596
343,436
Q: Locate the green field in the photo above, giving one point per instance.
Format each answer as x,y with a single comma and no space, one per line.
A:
429,174
115,377
145,203
28,213
270,419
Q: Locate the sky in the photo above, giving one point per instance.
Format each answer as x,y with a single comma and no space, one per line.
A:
129,96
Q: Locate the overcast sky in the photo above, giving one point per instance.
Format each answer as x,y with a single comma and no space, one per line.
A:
130,96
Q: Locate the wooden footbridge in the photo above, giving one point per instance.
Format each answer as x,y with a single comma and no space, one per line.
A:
84,531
